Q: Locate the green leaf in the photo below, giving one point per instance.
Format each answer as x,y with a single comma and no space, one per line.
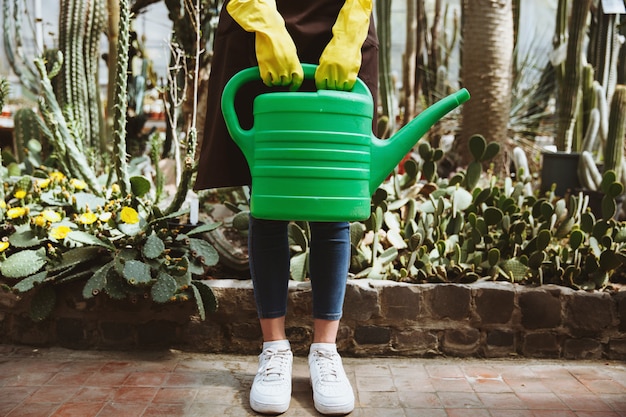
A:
462,198
137,273
297,235
608,178
24,238
543,239
22,264
203,228
472,176
493,257
30,282
164,288
477,144
609,261
299,266
204,251
78,236
115,287
76,256
493,216
515,269
154,247
97,282
491,151
576,239
139,185
132,229
536,259
208,297
84,200
609,207
43,302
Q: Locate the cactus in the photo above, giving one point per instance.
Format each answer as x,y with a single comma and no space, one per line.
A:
4,91
63,141
153,247
27,127
482,152
23,263
570,88
12,12
164,288
383,14
43,302
614,148
119,118
80,25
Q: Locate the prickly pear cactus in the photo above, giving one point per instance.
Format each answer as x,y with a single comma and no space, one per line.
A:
23,263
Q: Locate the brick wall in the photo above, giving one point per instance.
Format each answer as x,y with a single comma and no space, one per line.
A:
493,319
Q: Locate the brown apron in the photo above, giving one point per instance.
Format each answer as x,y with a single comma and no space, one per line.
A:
221,162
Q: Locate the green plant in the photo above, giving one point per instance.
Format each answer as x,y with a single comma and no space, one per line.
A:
63,223
475,226
570,94
55,232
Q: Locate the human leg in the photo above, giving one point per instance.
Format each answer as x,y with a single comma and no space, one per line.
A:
268,248
329,263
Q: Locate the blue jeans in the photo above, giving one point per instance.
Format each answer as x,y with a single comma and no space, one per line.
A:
329,260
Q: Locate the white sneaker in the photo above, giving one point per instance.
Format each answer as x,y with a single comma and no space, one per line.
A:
332,392
271,388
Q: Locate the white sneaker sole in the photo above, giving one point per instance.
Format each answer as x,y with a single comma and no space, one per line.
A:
335,410
268,408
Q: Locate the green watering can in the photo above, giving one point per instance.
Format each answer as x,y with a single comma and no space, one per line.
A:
312,155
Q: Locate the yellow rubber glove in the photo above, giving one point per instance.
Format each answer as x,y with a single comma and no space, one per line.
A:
341,59
275,50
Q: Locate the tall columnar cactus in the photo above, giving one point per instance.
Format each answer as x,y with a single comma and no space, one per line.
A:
80,24
383,13
12,12
70,156
27,126
614,148
119,109
570,89
4,91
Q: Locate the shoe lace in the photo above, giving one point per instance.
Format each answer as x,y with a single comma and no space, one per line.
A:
275,364
328,365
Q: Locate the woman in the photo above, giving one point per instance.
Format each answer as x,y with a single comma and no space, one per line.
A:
277,36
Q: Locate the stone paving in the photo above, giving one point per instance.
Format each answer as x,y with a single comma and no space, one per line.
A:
67,383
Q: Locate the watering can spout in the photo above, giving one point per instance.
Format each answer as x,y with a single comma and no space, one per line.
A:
387,153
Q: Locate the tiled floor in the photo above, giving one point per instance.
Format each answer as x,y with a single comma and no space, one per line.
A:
58,382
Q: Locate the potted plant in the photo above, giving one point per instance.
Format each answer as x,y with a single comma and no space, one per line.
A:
559,168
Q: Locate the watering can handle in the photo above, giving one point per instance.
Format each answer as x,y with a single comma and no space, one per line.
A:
242,136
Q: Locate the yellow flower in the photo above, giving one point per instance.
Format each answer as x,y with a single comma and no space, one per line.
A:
105,217
3,246
43,183
51,215
115,189
40,221
129,215
78,184
57,176
60,232
88,218
20,194
16,212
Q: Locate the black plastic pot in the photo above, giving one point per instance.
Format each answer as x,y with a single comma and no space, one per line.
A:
560,168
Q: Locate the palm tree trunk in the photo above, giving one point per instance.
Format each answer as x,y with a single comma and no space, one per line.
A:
487,32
